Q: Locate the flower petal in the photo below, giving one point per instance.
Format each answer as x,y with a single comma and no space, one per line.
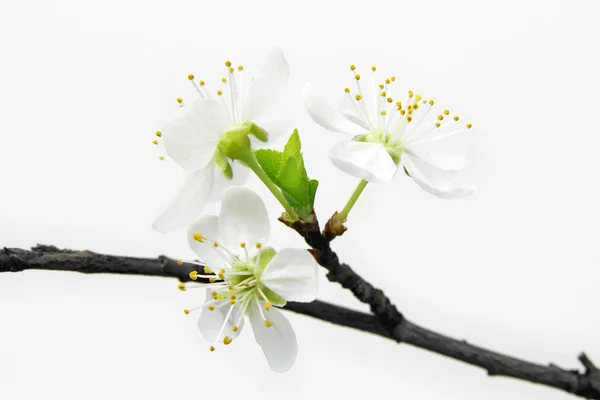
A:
349,110
440,160
207,226
438,182
368,161
240,175
324,115
265,87
210,323
243,218
292,274
278,341
192,133
189,201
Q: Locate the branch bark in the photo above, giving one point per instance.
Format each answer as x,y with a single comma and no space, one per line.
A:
585,384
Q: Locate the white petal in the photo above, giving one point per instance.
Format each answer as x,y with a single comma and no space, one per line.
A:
438,182
265,87
440,160
211,322
240,175
243,218
189,201
192,134
292,274
368,161
324,115
278,342
207,226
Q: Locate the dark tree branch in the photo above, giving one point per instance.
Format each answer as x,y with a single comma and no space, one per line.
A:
585,384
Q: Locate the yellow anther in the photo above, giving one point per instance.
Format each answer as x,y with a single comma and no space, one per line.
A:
224,80
381,86
228,63
186,312
456,118
358,97
387,81
393,79
243,245
212,348
268,305
240,67
446,112
235,328
179,262
214,296
191,77
211,280
199,237
179,100
410,111
230,287
399,104
233,297
194,275
231,70
246,284
211,308
402,112
207,270
352,67
215,244
201,82
222,271
410,94
440,117
181,287
232,301
268,323
389,100
159,133
227,340
258,245
384,113
431,102
469,126
438,123
221,277
410,107
347,90
161,158
383,94
409,118
155,141
357,77
418,98
373,68
219,93
416,106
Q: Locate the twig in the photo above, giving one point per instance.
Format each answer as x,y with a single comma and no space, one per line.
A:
585,384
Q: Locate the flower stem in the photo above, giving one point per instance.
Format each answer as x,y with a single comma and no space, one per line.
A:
352,200
256,168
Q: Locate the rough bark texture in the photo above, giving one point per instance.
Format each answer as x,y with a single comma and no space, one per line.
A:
585,384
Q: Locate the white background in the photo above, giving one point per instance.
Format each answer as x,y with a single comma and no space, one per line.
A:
84,85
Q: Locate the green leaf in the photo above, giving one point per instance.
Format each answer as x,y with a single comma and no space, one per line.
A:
313,184
293,179
292,147
270,161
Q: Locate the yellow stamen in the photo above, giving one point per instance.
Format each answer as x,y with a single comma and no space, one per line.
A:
389,99
384,113
393,79
268,323
381,86
347,90
258,245
243,245
214,296
159,133
215,244
456,118
230,287
179,262
211,280
212,348
199,237
224,80
409,118
181,287
431,102
231,70
357,77
155,141
240,67
201,82
233,297
232,301
228,63
191,77
469,126
193,275
211,308
219,93
207,270
161,158
446,112
268,305
438,123
410,94
227,340
440,117
352,67
186,312
358,97
373,68
179,100
387,81
383,94
235,328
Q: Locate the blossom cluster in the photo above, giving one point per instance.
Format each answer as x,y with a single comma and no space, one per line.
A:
214,139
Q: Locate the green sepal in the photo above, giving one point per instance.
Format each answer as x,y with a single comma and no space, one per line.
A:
266,255
222,163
